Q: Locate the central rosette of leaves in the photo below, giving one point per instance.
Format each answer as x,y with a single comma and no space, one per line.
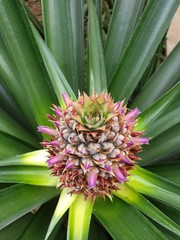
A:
93,145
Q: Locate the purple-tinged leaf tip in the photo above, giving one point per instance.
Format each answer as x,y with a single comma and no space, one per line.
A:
117,105
121,111
65,99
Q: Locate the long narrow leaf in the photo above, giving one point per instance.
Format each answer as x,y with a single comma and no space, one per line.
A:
77,18
170,171
152,113
137,200
14,230
65,201
59,81
11,146
124,222
172,213
157,187
97,74
64,39
41,218
142,46
35,158
98,7
164,78
11,127
79,218
124,18
17,33
10,78
97,231
165,121
27,175
9,104
27,197
166,143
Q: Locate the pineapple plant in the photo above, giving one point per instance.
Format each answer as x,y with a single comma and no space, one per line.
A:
89,123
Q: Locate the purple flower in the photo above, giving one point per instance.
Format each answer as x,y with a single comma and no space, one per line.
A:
129,144
132,115
70,164
140,140
87,165
57,123
126,160
57,110
47,130
108,168
92,178
68,151
53,160
54,143
119,175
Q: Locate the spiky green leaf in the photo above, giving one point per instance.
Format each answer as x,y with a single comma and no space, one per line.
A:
27,197
23,50
143,44
97,74
118,216
157,187
124,18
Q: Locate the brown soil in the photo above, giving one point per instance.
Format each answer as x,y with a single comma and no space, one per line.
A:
173,36
35,7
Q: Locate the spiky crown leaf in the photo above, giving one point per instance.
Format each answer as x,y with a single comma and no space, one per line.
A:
95,111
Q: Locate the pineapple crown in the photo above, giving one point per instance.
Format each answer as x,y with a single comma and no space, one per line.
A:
92,112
